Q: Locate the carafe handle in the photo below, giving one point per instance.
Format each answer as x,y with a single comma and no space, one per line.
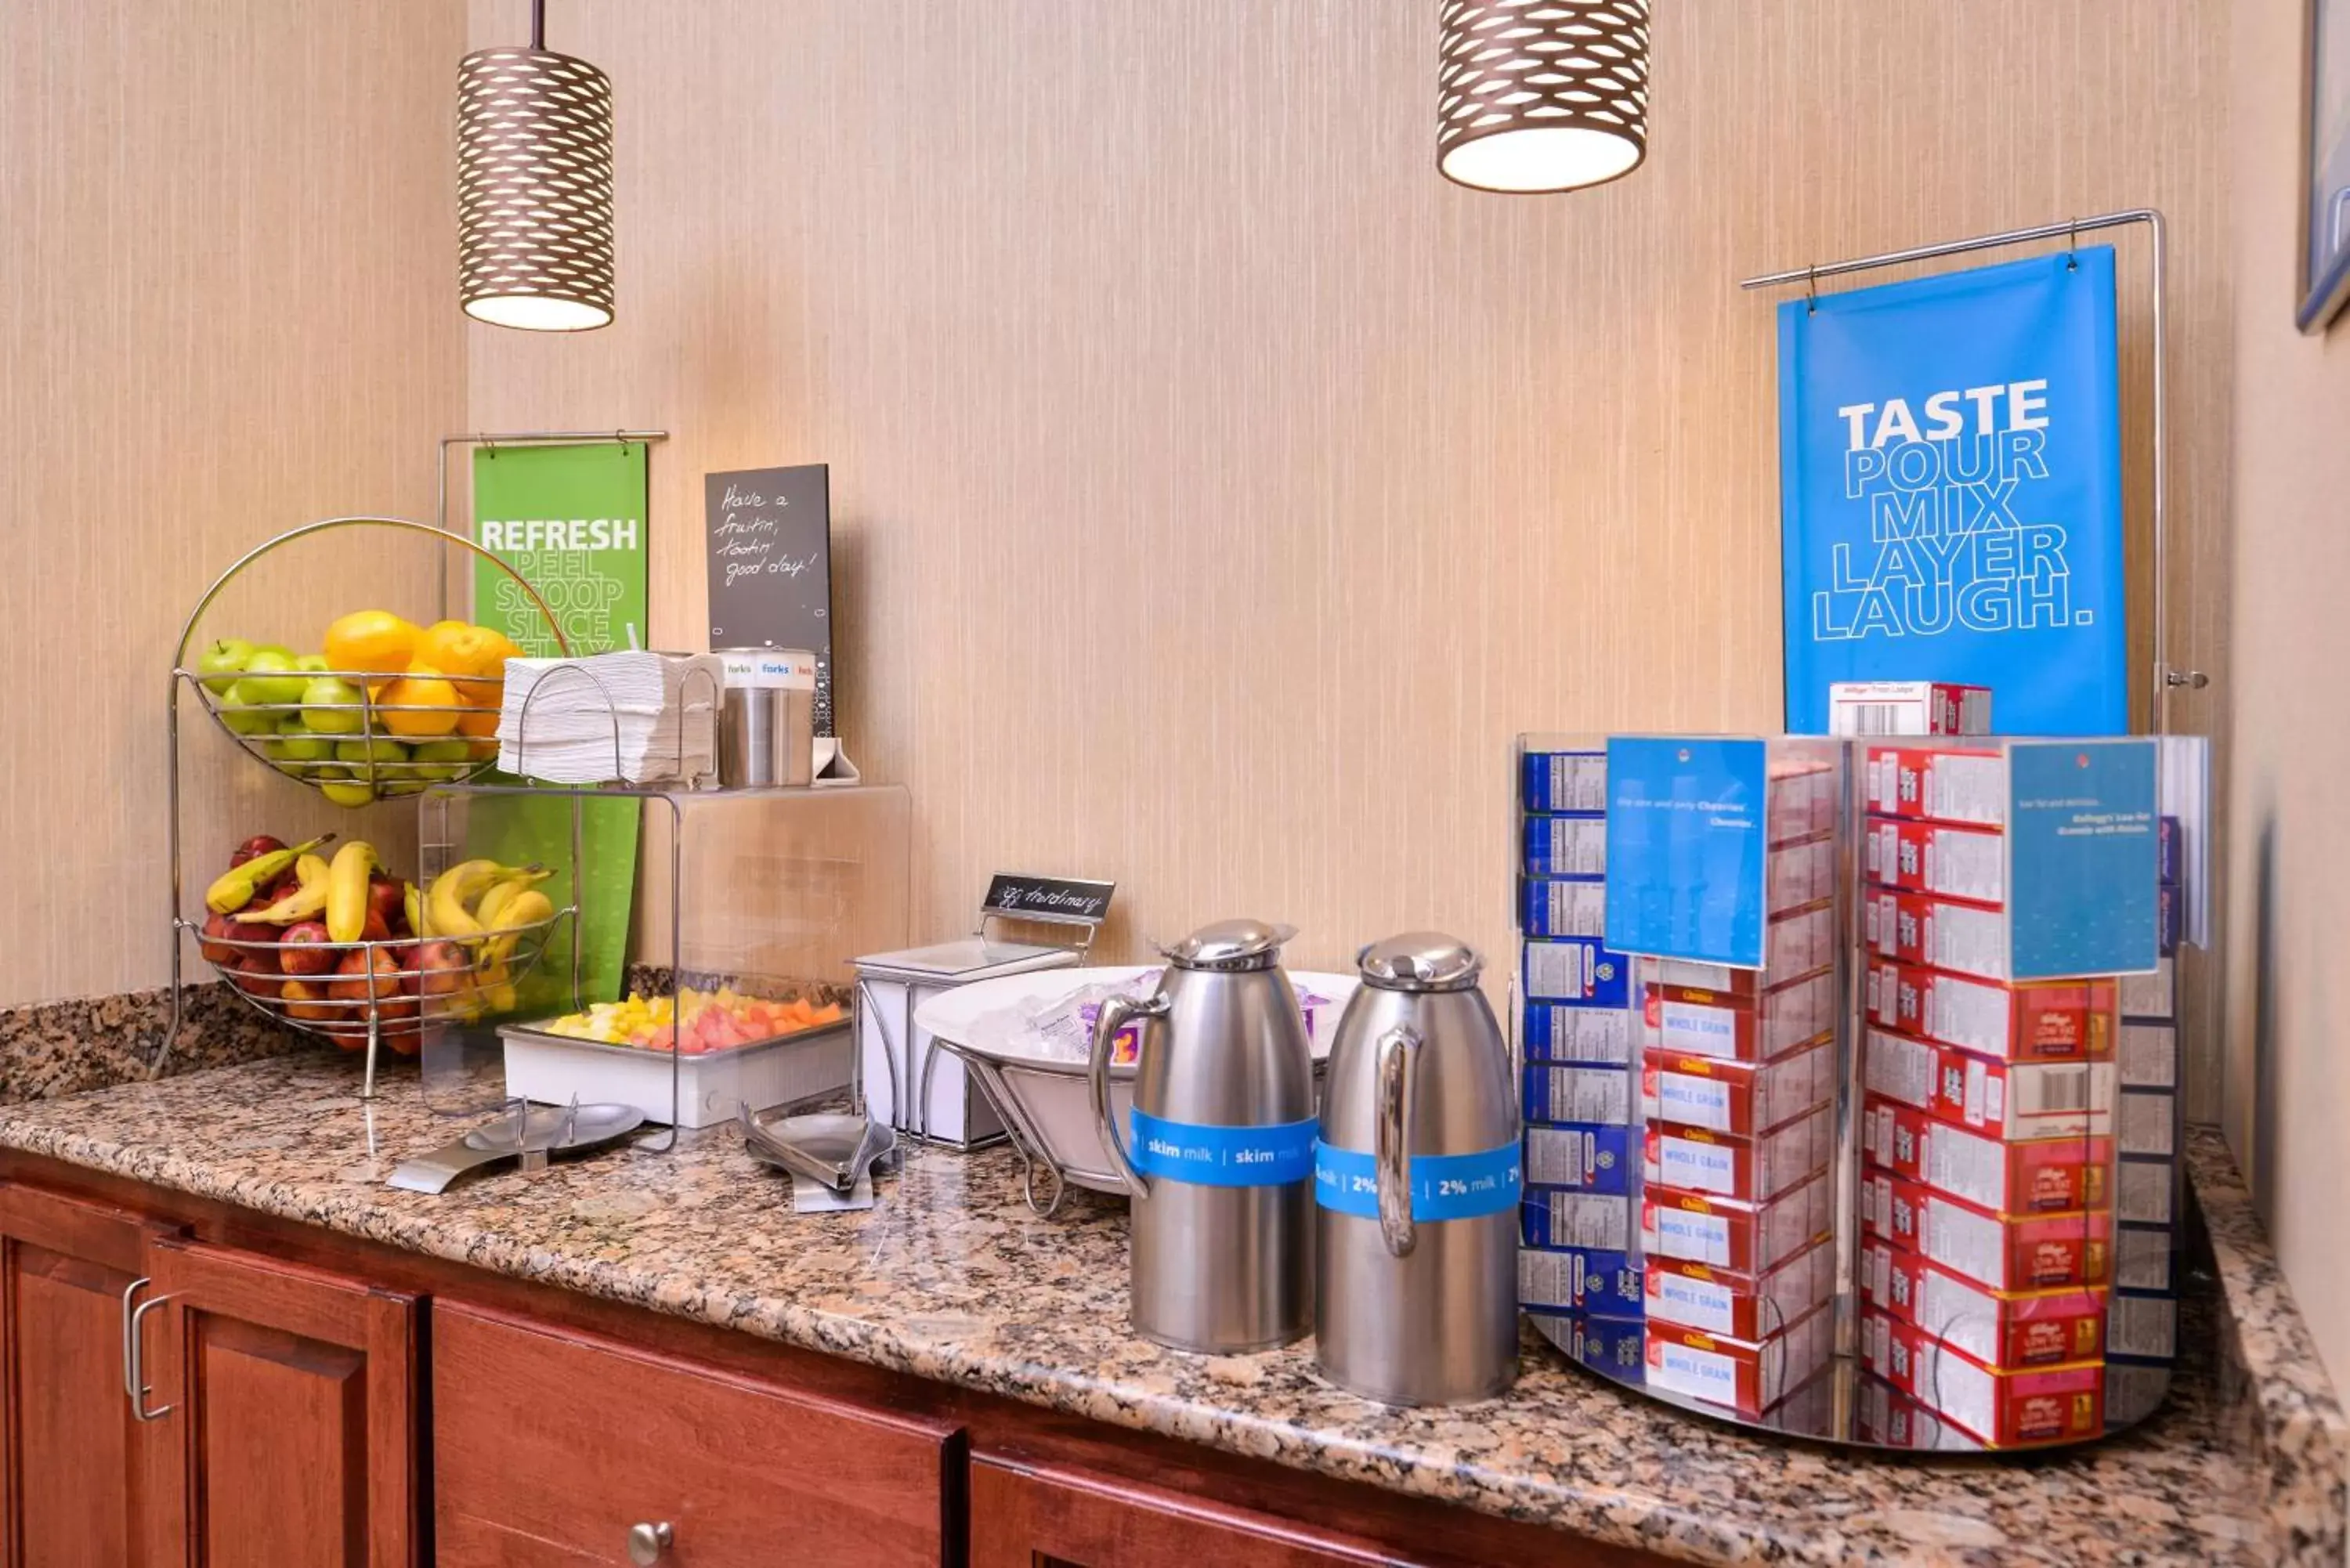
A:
1115,1014
1396,1063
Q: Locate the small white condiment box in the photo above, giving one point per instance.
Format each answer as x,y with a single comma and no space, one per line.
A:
894,1056
712,1087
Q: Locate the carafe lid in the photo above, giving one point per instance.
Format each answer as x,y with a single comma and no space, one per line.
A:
1419,960
1230,945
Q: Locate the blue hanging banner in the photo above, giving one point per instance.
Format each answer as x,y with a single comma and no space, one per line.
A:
1443,1186
1950,491
1686,848
1210,1155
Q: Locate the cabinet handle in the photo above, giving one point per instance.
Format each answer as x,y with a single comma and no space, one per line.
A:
134,1367
647,1541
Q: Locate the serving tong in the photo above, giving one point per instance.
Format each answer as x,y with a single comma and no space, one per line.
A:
837,1149
531,1138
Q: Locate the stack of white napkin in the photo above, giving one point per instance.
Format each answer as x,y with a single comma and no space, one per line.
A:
663,706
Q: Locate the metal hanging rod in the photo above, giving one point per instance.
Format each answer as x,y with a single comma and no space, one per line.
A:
2165,677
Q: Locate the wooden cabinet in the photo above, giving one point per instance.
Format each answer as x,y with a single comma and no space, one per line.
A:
549,1446
292,1414
1028,1516
71,1456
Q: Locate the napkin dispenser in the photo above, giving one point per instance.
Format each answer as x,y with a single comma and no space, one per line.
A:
936,1101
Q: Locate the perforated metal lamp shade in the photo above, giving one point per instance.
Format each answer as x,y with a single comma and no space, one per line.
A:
534,189
1542,95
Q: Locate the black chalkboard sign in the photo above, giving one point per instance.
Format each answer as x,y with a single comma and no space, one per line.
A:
1047,898
770,534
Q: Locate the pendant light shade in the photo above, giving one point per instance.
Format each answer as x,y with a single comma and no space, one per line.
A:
534,189
1542,95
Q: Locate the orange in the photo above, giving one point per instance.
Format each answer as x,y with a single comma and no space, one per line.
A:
421,687
481,724
370,642
461,649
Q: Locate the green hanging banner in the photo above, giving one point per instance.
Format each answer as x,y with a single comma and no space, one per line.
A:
570,520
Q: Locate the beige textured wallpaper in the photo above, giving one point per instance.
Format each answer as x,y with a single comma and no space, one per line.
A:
226,308
1216,489
2288,1082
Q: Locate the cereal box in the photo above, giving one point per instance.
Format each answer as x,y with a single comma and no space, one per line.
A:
2047,1020
2046,1177
1736,1096
1571,1031
1936,857
1602,1096
1730,1234
2009,1253
1580,1278
1862,709
1952,786
1739,1306
1999,1328
1566,847
1563,1217
1577,970
1585,1158
1755,1027
1562,907
1747,1376
2004,1410
1562,781
1724,1165
2015,1100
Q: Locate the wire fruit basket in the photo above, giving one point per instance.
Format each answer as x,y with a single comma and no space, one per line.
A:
357,735
388,990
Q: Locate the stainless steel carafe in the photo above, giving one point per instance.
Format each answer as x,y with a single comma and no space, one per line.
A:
1416,1182
1222,1158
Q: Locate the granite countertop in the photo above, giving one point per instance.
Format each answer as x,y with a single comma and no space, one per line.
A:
950,1277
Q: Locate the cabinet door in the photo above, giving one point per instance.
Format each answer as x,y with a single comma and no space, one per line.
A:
1032,1516
549,1447
70,1450
294,1414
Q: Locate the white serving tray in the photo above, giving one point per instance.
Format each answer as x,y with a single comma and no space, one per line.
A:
552,1068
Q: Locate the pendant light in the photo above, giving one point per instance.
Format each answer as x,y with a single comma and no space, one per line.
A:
1542,95
533,186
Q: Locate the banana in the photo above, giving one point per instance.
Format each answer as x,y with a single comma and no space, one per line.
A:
446,901
346,890
525,909
305,901
412,902
490,911
234,887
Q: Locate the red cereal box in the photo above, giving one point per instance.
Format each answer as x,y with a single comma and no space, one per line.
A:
1918,929
1688,1022
2012,1100
2043,1177
1735,1306
2006,1253
1801,872
1737,984
2002,1409
1937,858
1742,1097
1951,786
1887,1416
1800,800
2048,1021
2002,1329
1724,1165
1863,709
1731,1235
1747,1376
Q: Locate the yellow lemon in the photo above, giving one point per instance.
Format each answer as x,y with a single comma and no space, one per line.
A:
370,642
423,687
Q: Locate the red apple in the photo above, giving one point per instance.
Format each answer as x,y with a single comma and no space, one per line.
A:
263,959
212,947
391,1005
386,897
252,979
375,930
307,949
308,1001
252,848
263,897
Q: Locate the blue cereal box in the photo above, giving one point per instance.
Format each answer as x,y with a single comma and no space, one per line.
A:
1563,906
1564,781
1568,1032
1615,1347
1562,1217
1578,1279
1585,1158
2166,850
1598,1096
1577,969
1566,846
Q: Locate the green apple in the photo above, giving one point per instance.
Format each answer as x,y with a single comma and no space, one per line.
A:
313,664
270,676
448,758
239,714
330,706
344,790
222,660
358,755
295,743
